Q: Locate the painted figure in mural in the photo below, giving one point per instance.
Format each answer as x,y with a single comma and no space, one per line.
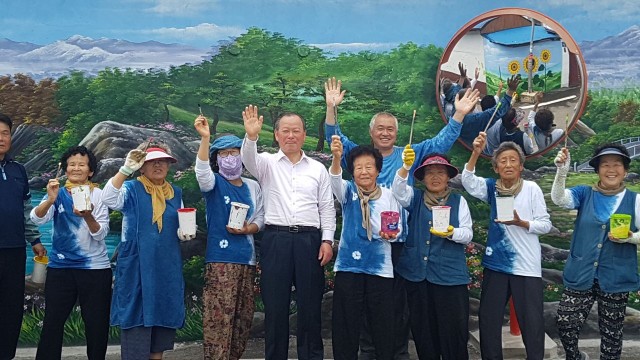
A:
603,265
383,129
512,259
148,294
542,126
300,223
506,129
79,269
474,123
363,267
230,256
17,227
435,270
450,89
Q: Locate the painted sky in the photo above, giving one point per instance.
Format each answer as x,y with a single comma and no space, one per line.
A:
329,23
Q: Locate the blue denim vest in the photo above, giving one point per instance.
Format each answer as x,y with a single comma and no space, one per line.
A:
594,256
426,256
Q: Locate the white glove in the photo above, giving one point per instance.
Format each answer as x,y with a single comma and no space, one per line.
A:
185,237
563,162
134,161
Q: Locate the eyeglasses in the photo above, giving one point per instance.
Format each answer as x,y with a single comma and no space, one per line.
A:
230,152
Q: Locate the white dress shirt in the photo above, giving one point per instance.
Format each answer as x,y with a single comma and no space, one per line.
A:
293,194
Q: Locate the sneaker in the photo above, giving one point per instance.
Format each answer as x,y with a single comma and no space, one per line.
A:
584,355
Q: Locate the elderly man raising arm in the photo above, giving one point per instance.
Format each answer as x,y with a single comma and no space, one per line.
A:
300,223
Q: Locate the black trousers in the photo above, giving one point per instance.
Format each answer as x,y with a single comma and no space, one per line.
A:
92,288
401,318
439,319
526,292
353,296
12,267
286,259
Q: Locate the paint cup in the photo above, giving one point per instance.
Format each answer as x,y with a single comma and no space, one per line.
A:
187,221
504,207
441,216
389,222
620,225
39,274
237,215
81,196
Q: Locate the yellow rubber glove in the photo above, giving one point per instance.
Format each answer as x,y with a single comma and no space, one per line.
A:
443,234
408,157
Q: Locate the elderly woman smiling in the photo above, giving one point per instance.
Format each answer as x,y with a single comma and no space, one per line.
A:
148,295
600,267
364,272
512,260
433,263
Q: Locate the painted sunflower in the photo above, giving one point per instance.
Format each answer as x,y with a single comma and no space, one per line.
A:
514,67
545,56
525,64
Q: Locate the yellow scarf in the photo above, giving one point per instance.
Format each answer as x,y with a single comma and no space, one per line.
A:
159,195
68,185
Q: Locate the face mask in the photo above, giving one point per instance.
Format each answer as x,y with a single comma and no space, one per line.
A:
230,166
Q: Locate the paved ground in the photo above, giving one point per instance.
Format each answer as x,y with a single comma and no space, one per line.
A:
255,350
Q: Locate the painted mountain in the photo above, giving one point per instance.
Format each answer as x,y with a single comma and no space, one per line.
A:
613,61
91,55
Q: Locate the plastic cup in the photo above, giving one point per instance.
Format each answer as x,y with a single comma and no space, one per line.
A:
187,221
504,207
620,225
389,222
39,274
237,215
441,216
81,197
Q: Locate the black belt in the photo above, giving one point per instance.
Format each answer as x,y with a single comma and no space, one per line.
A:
292,228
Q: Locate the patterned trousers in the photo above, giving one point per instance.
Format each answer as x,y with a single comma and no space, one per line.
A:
573,310
228,309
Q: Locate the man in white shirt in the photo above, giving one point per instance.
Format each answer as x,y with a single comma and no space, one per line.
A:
300,223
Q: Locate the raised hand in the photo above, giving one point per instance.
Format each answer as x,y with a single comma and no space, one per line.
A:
332,93
336,147
134,161
408,157
466,103
252,122
512,84
462,70
52,190
479,142
201,124
477,73
563,158
539,96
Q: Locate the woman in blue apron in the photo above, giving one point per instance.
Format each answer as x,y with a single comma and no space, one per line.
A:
148,294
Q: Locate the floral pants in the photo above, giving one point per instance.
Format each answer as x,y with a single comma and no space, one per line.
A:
228,309
573,310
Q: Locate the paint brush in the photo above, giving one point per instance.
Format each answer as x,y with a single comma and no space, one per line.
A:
200,109
59,172
492,116
413,120
148,144
566,130
335,118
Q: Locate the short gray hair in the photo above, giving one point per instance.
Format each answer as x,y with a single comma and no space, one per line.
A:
276,125
504,146
383,113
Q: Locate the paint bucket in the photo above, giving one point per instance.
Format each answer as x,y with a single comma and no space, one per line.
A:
237,215
441,215
81,196
39,274
504,208
187,221
389,222
620,225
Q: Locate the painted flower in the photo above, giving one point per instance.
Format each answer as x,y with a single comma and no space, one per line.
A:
356,255
525,64
227,199
545,56
224,243
514,67
489,251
